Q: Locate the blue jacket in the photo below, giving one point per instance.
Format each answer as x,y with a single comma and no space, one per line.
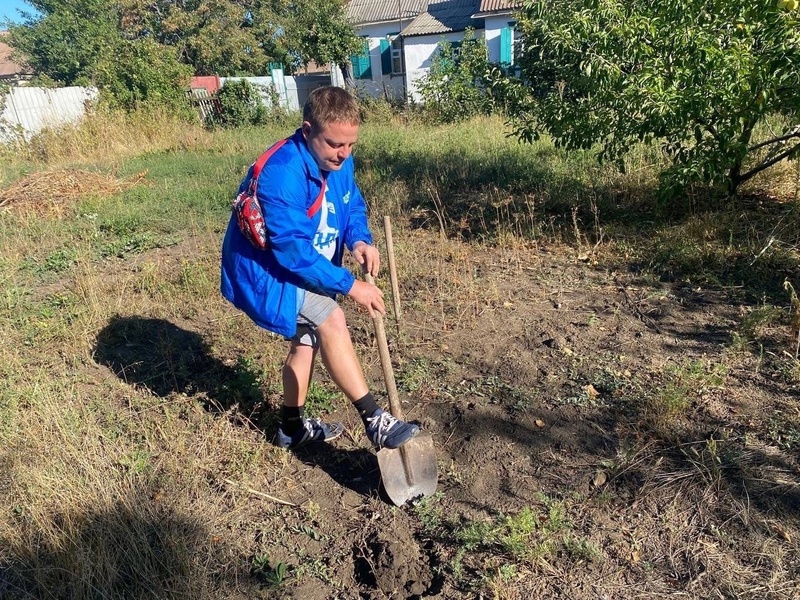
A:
304,253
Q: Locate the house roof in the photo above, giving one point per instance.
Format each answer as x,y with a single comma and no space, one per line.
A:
362,12
444,16
8,67
499,5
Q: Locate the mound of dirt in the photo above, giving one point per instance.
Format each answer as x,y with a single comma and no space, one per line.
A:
53,192
395,564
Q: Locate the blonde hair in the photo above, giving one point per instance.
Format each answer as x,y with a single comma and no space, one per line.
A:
331,104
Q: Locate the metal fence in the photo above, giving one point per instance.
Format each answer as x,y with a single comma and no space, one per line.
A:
28,110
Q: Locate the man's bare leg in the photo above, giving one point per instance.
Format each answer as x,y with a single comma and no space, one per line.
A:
295,430
339,356
297,371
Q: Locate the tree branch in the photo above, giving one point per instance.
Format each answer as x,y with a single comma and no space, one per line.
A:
767,164
794,133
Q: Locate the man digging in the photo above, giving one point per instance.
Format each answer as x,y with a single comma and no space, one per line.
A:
285,272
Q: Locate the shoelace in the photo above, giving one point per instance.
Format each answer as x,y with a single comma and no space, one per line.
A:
382,424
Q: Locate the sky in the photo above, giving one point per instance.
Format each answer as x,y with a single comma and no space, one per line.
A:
9,10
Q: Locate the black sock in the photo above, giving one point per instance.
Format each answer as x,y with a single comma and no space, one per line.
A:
366,407
292,419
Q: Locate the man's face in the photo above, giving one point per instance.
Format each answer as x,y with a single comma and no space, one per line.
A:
332,144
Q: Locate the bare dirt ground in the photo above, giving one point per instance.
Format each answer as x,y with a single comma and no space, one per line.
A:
647,437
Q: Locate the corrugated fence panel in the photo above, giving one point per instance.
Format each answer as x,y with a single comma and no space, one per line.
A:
28,110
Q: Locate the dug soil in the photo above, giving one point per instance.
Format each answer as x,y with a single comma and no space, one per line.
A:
599,434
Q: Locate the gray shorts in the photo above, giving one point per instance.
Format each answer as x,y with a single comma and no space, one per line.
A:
316,308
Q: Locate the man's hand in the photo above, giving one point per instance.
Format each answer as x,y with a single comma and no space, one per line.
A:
368,257
368,296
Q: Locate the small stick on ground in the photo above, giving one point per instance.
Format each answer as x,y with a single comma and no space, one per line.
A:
262,494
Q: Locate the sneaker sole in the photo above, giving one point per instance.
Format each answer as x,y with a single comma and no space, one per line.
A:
337,429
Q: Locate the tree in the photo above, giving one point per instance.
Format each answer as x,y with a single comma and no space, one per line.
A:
89,41
68,40
318,31
83,42
696,76
221,37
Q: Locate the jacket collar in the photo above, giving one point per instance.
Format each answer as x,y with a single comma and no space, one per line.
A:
312,168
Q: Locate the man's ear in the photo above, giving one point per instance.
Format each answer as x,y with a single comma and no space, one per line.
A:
306,128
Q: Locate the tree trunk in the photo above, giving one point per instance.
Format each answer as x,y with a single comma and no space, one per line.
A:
349,82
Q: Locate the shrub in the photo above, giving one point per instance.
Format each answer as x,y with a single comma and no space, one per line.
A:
454,88
694,77
240,104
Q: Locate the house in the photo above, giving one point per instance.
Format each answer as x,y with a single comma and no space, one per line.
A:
11,72
442,20
401,38
500,29
380,69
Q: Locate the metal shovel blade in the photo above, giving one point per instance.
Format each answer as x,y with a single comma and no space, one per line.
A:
409,472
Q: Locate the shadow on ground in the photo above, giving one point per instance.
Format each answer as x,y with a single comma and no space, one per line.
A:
166,359
136,547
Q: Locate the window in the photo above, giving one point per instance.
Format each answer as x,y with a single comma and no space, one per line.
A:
392,55
456,49
510,47
397,55
362,66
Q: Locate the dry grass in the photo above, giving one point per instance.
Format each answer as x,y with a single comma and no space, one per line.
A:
107,136
54,191
131,465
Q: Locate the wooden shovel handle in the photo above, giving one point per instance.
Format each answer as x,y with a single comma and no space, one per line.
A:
386,360
387,230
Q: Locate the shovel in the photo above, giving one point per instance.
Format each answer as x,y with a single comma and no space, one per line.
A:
408,472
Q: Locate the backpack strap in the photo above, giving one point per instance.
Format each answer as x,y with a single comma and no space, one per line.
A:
259,165
314,208
262,160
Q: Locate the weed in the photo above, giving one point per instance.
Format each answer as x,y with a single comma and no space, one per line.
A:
473,535
754,324
246,384
317,568
457,564
137,462
273,576
429,511
313,511
498,391
55,263
685,382
514,536
795,315
193,278
706,459
784,432
320,399
134,243
310,532
581,549
414,374
527,535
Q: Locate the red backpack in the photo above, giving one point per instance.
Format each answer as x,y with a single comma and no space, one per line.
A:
247,208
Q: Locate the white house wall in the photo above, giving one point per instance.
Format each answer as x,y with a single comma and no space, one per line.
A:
493,27
419,54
